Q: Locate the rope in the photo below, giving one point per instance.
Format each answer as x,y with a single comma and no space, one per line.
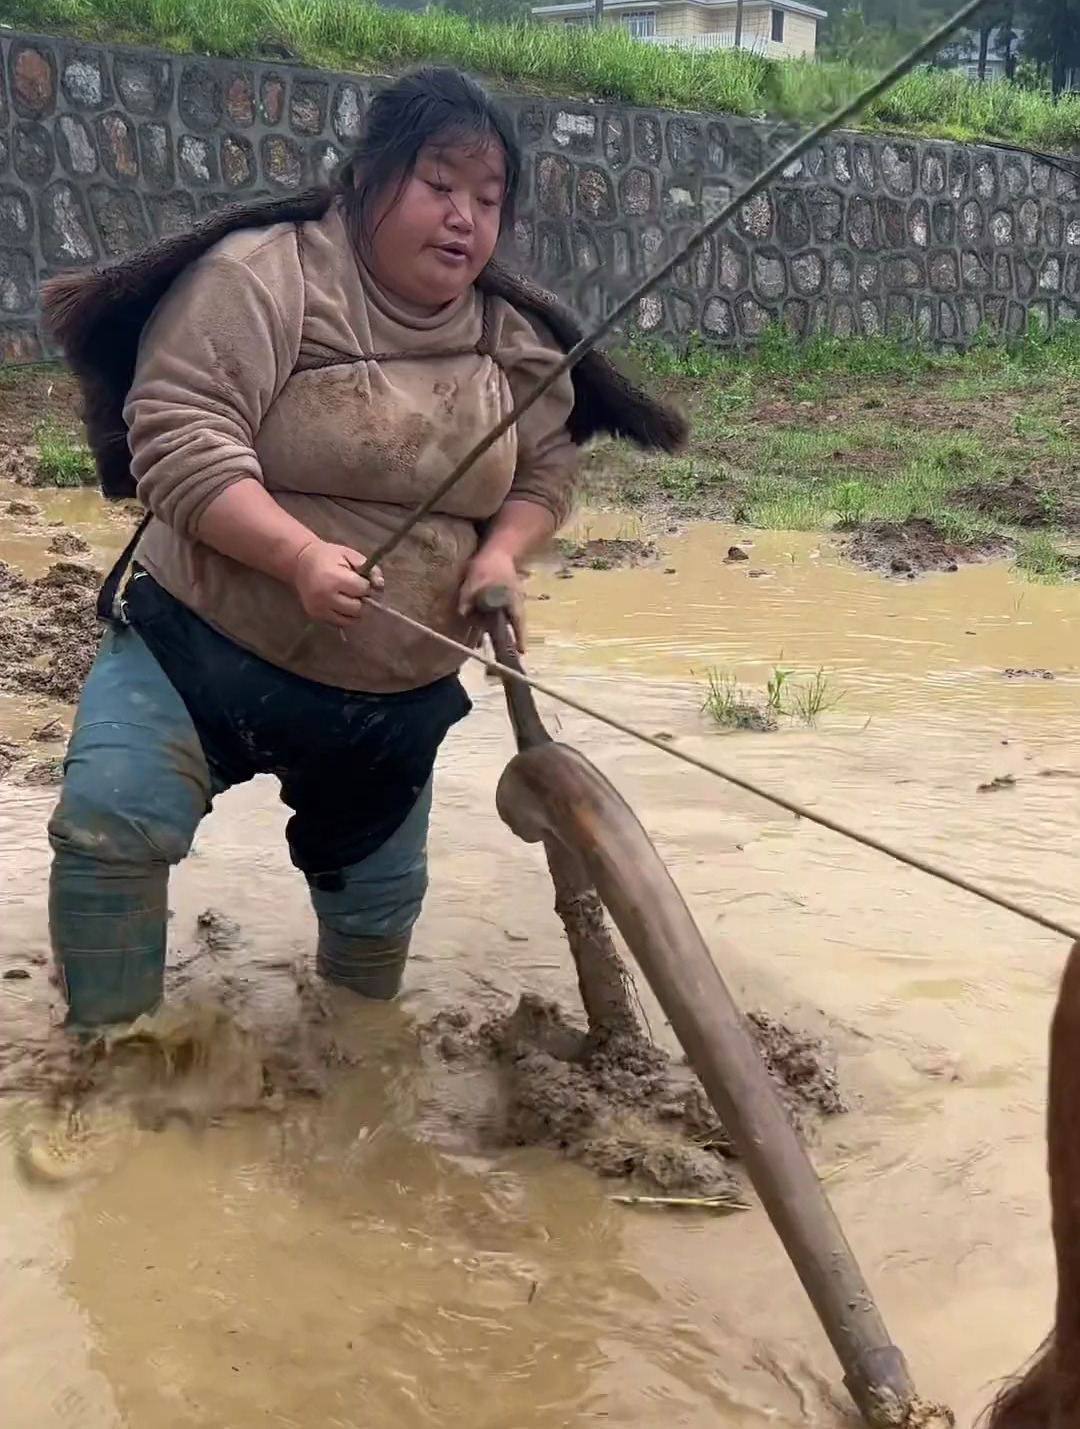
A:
790,805
702,235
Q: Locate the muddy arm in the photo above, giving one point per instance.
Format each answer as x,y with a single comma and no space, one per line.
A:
552,793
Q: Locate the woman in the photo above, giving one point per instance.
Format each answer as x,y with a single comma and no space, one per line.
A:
297,390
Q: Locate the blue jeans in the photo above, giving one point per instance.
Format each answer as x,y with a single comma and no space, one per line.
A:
137,783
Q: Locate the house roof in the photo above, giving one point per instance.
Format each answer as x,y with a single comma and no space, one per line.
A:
583,7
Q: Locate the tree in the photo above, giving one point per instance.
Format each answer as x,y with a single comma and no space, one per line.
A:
1052,37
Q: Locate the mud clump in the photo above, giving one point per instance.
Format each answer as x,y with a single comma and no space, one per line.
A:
606,554
68,543
22,510
620,1105
913,547
49,629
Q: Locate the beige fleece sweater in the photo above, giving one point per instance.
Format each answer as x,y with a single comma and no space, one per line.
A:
348,448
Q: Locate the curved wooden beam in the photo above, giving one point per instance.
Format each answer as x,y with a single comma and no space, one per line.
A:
549,793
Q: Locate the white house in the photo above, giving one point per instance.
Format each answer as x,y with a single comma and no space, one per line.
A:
780,28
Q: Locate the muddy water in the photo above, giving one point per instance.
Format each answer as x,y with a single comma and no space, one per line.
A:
362,1259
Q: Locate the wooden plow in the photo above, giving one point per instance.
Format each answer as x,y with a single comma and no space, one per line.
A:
601,857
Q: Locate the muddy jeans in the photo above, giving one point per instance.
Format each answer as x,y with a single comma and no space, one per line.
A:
172,714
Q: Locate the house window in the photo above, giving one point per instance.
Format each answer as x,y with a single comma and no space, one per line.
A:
778,27
640,23
576,21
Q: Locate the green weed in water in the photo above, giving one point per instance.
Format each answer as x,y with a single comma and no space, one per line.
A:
61,460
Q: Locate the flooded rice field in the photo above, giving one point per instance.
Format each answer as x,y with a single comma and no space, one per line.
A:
316,1230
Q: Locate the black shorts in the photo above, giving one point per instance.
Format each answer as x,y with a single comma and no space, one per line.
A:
351,764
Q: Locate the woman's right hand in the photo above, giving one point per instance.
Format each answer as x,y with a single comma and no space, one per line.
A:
326,579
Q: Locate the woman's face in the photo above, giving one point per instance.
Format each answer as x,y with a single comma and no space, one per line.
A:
430,241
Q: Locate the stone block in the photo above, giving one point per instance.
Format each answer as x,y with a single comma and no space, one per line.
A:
238,165
943,220
903,274
574,130
971,221
718,320
121,223
985,181
1028,216
715,196
75,146
679,203
66,239
554,193
868,275
751,315
308,104
898,168
33,152
284,163
865,167
755,217
686,144
272,98
918,224
734,266
959,172
19,343
1001,228
769,273
841,273
595,194
156,154
584,248
240,99
555,260
32,69
18,282
648,140
796,318
16,217
201,98
862,225
144,84
683,313
933,171
1053,226
943,272
84,79
1015,177
843,319
826,214
615,139
717,144
841,162
171,213
651,312
870,321
347,114
793,219
892,223
118,146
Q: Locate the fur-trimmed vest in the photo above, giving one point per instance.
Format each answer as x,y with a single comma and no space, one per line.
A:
97,317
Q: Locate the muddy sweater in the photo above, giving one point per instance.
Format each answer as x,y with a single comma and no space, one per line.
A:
347,448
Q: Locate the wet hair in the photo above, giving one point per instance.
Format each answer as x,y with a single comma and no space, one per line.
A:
429,106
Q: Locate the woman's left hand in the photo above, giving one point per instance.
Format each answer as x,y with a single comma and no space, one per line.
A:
493,567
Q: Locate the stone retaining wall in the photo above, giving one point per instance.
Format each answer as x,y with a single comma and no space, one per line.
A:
103,148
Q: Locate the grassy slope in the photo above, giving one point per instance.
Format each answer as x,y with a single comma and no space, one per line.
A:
346,34
981,445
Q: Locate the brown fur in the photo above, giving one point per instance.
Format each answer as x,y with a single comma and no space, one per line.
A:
1047,1394
98,316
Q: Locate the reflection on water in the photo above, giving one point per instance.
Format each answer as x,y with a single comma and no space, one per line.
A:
364,1259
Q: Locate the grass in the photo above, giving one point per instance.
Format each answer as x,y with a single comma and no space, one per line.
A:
845,435
604,64
732,706
61,460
